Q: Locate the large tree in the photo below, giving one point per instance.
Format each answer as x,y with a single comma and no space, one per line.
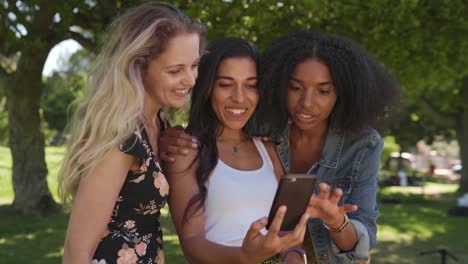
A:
28,31
425,44
422,42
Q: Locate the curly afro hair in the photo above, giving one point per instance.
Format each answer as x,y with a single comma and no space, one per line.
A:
365,91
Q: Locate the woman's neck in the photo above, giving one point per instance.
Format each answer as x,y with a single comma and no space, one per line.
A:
232,135
150,112
316,135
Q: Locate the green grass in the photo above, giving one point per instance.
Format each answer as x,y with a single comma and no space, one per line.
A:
418,223
25,239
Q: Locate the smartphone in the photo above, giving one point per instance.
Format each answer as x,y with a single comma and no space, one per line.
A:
294,191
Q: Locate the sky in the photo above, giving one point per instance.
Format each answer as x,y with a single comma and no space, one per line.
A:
62,50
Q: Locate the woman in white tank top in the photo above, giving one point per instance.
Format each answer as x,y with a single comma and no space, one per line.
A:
221,194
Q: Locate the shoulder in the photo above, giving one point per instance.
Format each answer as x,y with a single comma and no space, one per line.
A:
270,146
114,163
357,148
133,145
117,156
366,138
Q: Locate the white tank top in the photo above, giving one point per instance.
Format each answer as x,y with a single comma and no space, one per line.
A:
237,198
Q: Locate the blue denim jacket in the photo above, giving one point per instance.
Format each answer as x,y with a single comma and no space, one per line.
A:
351,162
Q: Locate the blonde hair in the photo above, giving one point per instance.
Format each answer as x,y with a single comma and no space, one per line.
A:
113,101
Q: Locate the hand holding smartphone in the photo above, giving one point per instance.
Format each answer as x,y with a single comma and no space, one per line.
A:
294,191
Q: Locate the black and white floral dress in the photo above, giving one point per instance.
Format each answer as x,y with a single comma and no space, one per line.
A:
134,232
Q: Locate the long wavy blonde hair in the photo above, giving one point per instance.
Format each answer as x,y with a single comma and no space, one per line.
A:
113,100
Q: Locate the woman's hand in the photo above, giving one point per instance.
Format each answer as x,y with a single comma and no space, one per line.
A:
257,247
325,206
175,141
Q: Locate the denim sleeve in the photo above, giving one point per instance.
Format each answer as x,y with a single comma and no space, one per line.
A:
361,250
364,195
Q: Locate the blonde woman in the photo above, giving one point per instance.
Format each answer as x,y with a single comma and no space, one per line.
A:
111,174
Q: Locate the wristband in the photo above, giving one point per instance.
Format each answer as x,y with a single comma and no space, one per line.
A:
298,250
341,227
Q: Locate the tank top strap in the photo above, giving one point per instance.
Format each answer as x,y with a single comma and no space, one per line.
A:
262,150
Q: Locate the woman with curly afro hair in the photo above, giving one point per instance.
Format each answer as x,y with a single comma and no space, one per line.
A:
323,95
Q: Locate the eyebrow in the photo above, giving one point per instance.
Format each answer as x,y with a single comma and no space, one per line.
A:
182,65
301,82
296,80
232,79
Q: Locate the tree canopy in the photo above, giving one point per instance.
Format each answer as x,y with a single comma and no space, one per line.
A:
422,42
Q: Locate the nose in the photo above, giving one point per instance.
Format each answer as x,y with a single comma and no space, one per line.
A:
238,94
190,78
308,99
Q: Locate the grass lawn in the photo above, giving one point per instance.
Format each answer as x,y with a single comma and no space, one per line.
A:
417,224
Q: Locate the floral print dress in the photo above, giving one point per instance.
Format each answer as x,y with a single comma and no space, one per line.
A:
134,233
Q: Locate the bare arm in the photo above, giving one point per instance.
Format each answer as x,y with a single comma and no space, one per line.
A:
197,248
93,205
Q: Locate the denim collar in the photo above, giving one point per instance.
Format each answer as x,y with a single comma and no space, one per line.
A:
331,151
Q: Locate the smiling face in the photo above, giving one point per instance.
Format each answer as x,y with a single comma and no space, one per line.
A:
234,96
169,77
311,95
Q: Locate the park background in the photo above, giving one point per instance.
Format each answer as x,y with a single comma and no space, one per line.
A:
424,43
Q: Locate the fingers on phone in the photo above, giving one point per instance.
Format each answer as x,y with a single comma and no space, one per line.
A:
300,229
275,226
255,228
296,237
324,191
336,195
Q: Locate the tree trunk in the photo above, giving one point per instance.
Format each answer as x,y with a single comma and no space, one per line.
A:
462,136
32,195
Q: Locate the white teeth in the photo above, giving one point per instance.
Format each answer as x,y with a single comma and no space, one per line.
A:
236,111
180,91
304,115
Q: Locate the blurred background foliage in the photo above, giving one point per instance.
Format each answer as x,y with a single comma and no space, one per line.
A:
424,43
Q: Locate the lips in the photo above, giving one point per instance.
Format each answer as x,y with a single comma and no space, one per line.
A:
238,112
305,118
181,92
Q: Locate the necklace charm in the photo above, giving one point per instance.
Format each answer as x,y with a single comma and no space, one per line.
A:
235,149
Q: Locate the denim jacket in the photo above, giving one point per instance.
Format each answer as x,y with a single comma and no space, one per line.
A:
351,162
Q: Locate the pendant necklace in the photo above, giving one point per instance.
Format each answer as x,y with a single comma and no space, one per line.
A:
236,148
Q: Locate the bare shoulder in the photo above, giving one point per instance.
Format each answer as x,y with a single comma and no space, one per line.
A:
271,149
113,165
116,158
269,145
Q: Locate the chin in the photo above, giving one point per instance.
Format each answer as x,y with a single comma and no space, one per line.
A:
306,127
235,126
178,104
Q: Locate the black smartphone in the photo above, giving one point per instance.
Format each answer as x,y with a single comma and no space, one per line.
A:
294,191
